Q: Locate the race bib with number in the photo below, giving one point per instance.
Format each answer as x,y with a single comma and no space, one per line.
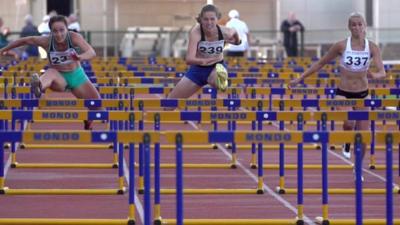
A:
61,58
211,48
356,61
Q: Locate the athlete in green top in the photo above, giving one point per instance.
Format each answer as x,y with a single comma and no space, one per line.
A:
65,71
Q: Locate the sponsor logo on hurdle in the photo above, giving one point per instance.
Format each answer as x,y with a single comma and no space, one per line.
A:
388,115
47,136
154,74
341,102
228,116
256,137
273,81
251,75
201,102
166,81
304,91
60,115
61,103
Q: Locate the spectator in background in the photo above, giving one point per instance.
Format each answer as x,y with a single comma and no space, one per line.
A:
43,27
290,27
44,30
53,13
243,31
30,30
4,32
73,24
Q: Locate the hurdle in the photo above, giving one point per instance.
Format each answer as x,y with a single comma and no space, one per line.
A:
232,74
84,137
120,80
117,162
190,103
314,137
16,136
199,116
118,90
72,116
222,137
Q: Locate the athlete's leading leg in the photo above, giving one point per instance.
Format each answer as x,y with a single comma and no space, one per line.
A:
87,91
185,88
50,79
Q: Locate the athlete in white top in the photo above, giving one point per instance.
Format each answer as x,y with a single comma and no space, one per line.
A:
356,53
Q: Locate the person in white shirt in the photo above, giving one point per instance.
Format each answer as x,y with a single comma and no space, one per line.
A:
243,31
73,23
44,28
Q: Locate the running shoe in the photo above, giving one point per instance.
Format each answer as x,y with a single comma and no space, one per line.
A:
346,151
222,77
36,86
88,124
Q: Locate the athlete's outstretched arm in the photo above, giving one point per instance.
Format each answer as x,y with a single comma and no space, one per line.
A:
333,52
232,36
87,50
31,40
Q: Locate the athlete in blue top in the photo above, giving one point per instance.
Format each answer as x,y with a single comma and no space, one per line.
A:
65,51
205,54
355,54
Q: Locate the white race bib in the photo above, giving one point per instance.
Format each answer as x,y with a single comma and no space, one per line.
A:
61,58
211,48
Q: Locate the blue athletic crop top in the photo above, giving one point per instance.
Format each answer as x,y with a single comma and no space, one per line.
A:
60,57
355,61
211,48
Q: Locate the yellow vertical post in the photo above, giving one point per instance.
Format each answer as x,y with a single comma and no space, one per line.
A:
234,160
282,183
13,158
253,161
325,212
115,158
299,212
260,189
1,183
121,183
157,213
141,184
132,213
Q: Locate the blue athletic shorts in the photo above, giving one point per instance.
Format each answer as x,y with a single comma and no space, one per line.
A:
200,74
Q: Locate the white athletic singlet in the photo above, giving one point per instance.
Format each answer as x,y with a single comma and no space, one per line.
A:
211,48
60,57
356,61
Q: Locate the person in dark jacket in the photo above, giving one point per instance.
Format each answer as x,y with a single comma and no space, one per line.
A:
30,30
290,27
